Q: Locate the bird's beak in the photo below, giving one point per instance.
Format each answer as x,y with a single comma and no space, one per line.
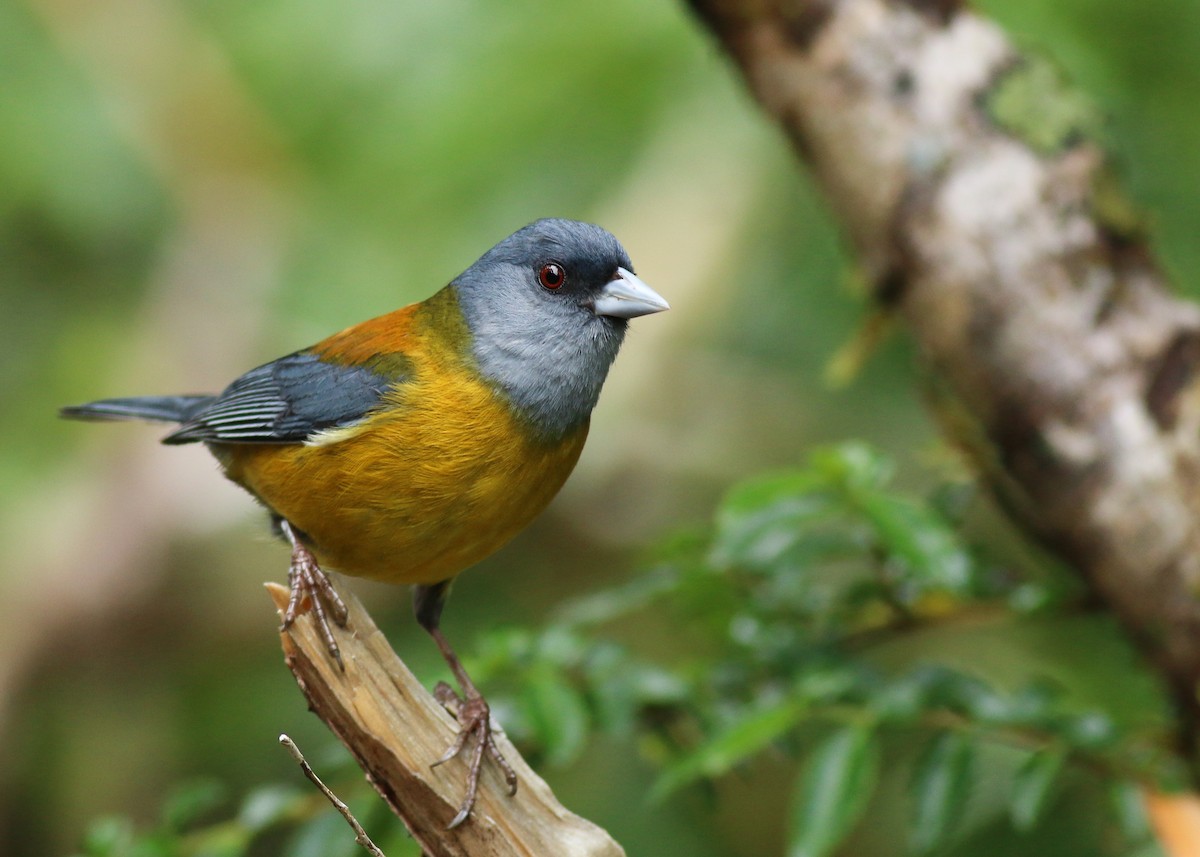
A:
626,296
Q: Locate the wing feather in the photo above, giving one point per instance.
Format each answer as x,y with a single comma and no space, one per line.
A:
287,401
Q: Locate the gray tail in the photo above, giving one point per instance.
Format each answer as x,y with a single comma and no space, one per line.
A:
162,409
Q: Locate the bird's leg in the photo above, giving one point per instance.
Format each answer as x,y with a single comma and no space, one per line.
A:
474,717
471,709
305,577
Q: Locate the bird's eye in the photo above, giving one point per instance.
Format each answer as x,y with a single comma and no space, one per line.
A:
552,276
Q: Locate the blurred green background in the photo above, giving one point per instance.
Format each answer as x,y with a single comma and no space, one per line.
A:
188,189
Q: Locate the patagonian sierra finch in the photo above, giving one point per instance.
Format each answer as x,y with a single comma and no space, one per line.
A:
411,446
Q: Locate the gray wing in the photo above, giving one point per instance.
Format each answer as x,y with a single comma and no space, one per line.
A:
286,401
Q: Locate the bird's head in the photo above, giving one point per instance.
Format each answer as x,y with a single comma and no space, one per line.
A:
547,308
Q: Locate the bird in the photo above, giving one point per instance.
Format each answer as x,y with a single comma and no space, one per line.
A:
411,446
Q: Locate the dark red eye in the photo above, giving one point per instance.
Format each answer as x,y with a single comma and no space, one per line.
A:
552,276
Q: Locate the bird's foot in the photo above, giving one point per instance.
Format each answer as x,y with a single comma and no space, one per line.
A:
475,720
306,578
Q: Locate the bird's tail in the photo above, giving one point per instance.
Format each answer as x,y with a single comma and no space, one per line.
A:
162,409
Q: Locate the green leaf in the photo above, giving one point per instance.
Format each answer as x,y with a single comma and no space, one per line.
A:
833,791
762,519
852,465
928,547
1031,787
557,714
940,786
741,741
1130,806
923,541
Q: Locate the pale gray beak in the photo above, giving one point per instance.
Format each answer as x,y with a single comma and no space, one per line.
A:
626,296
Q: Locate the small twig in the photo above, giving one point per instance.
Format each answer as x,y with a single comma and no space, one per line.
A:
360,835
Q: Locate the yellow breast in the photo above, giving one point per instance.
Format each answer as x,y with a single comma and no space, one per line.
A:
444,476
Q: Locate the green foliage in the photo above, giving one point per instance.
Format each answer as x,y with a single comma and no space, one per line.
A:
834,790
791,603
787,611
941,784
1031,786
1130,809
198,820
719,754
386,144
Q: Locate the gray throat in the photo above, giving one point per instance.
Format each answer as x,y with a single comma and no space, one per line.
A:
553,381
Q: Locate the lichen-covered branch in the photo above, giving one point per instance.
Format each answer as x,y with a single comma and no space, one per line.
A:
1057,353
396,730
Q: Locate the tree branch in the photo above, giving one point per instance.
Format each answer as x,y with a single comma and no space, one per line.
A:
1058,357
396,730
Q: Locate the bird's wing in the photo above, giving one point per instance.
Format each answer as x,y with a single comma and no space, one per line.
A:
290,400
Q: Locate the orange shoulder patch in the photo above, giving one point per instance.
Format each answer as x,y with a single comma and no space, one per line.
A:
387,334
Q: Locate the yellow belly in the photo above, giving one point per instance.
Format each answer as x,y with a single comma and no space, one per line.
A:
444,478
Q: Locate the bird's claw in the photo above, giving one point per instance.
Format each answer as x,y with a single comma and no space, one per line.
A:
475,719
306,578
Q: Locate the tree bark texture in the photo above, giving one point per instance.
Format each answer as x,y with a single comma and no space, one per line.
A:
396,730
1050,333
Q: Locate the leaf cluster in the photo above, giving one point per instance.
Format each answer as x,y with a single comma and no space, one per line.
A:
786,609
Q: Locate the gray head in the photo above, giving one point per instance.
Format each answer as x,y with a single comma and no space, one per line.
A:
548,307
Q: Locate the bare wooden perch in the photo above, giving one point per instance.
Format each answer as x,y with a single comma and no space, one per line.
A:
396,730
